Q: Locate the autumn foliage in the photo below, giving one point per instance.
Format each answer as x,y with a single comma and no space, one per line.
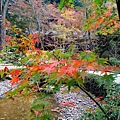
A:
48,70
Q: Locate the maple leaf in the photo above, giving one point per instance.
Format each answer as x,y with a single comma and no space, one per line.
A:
71,71
67,69
90,67
15,72
88,51
34,35
8,38
103,102
63,69
63,61
50,67
96,25
77,63
106,70
36,113
67,104
35,68
14,80
36,40
100,20
6,69
97,99
83,74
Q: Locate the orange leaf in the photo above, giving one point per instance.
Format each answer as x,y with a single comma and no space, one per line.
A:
100,20
77,63
35,68
8,38
63,70
106,69
97,99
67,104
71,71
90,67
15,72
76,90
14,80
103,102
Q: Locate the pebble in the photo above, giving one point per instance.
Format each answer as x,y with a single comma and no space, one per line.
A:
5,86
80,99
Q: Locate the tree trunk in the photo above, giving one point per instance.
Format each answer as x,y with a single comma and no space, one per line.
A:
3,10
0,25
4,16
118,7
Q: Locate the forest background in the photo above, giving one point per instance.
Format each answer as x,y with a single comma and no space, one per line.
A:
60,41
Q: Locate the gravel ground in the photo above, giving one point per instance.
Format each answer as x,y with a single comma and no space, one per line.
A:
78,102
4,87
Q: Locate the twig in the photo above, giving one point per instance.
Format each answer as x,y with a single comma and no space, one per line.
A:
94,101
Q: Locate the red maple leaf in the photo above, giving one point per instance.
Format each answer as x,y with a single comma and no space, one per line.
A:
8,38
71,71
106,70
35,68
77,63
67,104
14,80
50,67
63,69
15,72
36,113
6,69
100,20
90,67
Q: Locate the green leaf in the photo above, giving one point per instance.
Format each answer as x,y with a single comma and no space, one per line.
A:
34,102
1,60
80,82
46,116
87,56
108,79
70,83
36,78
37,118
49,54
63,2
36,107
44,102
2,74
101,61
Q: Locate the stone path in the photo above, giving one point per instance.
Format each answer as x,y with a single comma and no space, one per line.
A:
73,104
